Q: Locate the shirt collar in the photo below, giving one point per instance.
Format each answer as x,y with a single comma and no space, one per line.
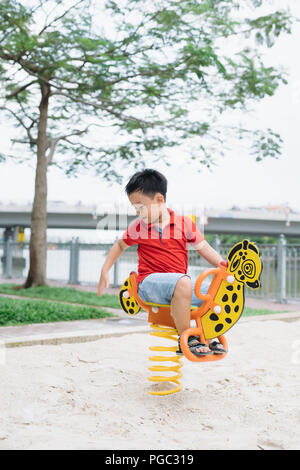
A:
172,219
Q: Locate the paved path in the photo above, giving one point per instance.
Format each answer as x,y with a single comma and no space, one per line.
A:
122,324
69,331
90,330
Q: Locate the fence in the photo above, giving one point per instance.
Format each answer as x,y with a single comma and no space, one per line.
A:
80,263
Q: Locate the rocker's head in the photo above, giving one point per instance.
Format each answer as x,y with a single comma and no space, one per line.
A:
245,263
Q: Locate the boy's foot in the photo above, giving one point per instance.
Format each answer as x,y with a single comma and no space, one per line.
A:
197,348
217,347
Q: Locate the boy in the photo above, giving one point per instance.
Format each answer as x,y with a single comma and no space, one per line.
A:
162,238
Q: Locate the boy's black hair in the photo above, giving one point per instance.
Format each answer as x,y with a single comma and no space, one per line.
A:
149,182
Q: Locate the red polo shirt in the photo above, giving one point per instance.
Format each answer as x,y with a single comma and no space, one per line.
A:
163,251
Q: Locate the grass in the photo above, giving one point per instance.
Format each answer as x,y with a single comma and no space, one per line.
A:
19,311
65,294
248,312
22,312
70,294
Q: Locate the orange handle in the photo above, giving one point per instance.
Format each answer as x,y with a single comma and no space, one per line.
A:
192,357
200,280
184,343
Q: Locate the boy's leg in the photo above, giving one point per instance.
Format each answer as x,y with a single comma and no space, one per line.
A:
174,289
181,302
180,307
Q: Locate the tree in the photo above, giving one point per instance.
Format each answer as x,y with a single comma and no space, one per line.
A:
64,74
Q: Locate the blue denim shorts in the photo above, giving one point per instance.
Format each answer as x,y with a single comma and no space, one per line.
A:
159,288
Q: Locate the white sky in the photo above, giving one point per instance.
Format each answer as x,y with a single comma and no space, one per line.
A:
268,182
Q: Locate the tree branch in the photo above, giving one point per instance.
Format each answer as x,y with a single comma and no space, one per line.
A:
19,90
53,142
117,114
59,17
20,121
51,146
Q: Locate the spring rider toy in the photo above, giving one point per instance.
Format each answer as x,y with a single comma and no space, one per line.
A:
221,308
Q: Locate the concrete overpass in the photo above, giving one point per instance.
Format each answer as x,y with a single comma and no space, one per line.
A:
61,215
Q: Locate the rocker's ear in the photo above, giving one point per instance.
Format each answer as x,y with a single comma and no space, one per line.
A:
233,250
245,244
253,248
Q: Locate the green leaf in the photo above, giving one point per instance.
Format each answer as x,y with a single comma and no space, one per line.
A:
136,74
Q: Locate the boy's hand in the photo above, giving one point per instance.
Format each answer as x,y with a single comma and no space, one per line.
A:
104,282
224,263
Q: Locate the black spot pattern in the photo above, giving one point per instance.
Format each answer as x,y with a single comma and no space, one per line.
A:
214,317
230,295
219,327
132,304
230,303
131,310
128,303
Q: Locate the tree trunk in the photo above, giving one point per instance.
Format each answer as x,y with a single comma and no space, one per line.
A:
38,235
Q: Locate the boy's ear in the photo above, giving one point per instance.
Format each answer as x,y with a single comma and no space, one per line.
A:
159,198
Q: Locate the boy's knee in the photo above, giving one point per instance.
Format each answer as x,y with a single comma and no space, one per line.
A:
184,286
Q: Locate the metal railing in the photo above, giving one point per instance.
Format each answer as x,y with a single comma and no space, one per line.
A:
80,263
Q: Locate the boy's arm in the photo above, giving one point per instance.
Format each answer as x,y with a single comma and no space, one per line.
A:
196,239
209,254
115,252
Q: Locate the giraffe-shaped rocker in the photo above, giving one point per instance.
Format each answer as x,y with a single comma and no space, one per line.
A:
221,308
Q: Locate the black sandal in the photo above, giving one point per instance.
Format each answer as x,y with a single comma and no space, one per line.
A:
215,347
193,347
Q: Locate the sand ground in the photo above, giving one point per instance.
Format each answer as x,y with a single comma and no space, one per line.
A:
94,395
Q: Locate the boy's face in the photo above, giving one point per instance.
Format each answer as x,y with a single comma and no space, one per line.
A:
146,208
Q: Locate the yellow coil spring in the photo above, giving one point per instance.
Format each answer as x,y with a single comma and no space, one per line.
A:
172,334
